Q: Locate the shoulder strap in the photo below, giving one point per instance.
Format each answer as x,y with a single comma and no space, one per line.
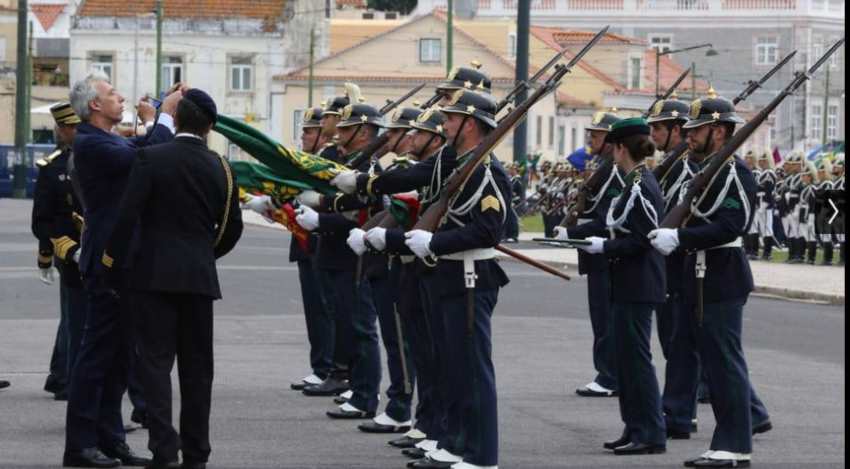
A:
223,225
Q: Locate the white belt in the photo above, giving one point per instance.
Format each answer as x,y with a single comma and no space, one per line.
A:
469,258
700,266
582,221
407,259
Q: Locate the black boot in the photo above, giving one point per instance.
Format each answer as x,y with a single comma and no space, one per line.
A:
812,252
792,250
799,251
768,247
827,254
751,246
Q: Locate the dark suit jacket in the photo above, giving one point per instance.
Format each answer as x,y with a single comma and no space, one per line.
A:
102,162
177,191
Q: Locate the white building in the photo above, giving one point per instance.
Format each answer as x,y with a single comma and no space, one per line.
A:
230,49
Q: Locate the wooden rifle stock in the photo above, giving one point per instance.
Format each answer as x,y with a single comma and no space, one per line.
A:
679,215
660,171
591,185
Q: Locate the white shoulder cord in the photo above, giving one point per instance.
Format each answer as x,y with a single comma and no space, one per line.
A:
732,176
603,190
686,173
617,223
433,191
466,207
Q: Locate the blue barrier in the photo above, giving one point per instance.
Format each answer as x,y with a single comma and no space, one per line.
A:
8,160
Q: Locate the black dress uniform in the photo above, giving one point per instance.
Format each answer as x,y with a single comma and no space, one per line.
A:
187,205
595,266
716,264
57,223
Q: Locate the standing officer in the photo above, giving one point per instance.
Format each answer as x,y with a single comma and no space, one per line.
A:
173,279
57,223
790,199
837,195
595,266
823,209
718,272
94,434
806,210
765,203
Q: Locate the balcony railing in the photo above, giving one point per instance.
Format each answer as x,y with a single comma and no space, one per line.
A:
831,8
535,4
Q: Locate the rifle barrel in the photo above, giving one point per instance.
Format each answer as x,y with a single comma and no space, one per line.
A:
752,86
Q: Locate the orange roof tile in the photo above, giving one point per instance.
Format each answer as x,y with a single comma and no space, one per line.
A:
262,9
47,13
359,4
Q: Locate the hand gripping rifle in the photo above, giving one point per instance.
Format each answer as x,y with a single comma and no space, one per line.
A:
680,214
382,139
662,169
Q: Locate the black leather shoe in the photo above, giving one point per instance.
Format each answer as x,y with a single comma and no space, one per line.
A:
428,463
673,434
585,392
163,465
4,384
350,415
89,457
414,453
763,427
193,465
61,396
372,427
622,441
139,417
123,452
340,400
692,462
639,448
53,385
705,462
405,442
329,387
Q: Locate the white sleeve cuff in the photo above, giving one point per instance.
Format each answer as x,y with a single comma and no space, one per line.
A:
167,121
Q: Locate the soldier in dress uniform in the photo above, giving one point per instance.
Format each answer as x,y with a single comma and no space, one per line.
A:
57,223
823,211
790,199
595,266
807,211
765,203
751,240
718,273
637,275
465,274
838,198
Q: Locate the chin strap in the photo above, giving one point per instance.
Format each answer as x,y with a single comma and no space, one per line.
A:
421,152
351,139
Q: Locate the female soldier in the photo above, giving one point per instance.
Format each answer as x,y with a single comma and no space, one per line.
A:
637,285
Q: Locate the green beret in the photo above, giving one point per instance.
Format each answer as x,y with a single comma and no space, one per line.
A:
626,128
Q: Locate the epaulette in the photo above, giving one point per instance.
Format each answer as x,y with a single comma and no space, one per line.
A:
42,162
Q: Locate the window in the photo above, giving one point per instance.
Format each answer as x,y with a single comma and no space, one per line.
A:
102,63
2,49
573,139
241,71
172,70
562,144
816,122
661,42
551,132
767,50
831,122
634,81
512,45
430,51
297,116
539,130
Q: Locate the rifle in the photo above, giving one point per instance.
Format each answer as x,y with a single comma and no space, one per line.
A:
430,220
382,139
662,169
527,84
591,185
668,93
681,213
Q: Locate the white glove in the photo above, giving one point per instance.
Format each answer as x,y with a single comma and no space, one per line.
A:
561,233
307,218
355,241
345,181
419,242
311,199
76,256
377,237
261,204
597,245
665,240
47,276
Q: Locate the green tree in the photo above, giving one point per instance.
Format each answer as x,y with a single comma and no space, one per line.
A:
402,6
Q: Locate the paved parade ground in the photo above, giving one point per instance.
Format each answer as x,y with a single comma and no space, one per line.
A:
542,347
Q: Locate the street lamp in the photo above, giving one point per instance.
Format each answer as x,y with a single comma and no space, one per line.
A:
658,53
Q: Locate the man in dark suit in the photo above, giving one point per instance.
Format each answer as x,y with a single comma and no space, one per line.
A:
186,201
94,435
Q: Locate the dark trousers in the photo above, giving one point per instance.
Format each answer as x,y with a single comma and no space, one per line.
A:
441,388
356,315
385,294
99,376
417,330
665,314
320,327
342,344
602,322
471,407
716,346
72,318
512,225
639,397
177,325
550,221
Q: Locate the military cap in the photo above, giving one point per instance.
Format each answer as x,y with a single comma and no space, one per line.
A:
669,109
63,114
603,121
711,110
839,159
625,128
203,102
794,157
767,156
312,118
823,164
478,105
359,114
404,118
335,106
431,121
466,78
810,169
